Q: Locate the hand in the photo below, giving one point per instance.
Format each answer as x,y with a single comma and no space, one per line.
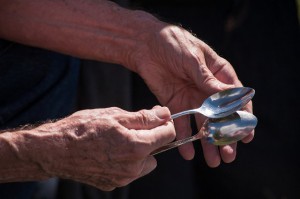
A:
105,148
182,71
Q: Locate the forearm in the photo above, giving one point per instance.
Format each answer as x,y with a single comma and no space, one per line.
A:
99,147
98,30
16,163
37,152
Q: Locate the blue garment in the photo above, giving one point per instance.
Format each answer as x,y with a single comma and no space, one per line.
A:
35,85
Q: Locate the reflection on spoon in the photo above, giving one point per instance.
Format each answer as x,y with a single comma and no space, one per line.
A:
223,103
220,131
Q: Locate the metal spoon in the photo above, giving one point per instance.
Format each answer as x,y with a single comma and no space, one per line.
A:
223,103
219,131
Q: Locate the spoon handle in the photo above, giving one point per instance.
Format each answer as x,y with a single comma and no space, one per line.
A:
177,143
176,115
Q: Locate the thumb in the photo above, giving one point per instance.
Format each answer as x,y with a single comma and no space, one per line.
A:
148,119
206,81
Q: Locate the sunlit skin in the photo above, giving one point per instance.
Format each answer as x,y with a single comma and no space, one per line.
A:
180,69
105,148
186,71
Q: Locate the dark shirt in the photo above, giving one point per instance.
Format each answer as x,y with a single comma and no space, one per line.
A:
35,85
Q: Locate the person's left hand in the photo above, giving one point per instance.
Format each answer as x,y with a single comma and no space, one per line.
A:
182,71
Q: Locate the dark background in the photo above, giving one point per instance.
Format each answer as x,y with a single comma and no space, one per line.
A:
261,40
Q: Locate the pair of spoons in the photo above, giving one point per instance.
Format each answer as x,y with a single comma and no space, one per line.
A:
225,123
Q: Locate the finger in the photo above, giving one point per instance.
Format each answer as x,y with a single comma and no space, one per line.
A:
249,137
211,154
146,119
248,107
204,75
155,138
220,67
228,152
101,183
184,130
150,164
224,72
206,81
210,151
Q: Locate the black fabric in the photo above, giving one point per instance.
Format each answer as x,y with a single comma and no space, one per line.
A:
35,85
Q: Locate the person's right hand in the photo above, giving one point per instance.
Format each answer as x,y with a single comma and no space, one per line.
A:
105,148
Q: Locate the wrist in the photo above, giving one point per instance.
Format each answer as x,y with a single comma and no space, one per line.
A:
145,29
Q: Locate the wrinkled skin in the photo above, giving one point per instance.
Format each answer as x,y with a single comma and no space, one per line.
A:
182,72
106,148
109,148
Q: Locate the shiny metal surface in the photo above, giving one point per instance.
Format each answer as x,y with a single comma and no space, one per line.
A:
220,131
223,103
230,129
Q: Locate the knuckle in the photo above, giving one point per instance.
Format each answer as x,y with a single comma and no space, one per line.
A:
142,116
146,117
115,110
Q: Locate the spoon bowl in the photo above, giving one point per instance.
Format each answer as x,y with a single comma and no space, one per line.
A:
223,103
230,129
219,131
